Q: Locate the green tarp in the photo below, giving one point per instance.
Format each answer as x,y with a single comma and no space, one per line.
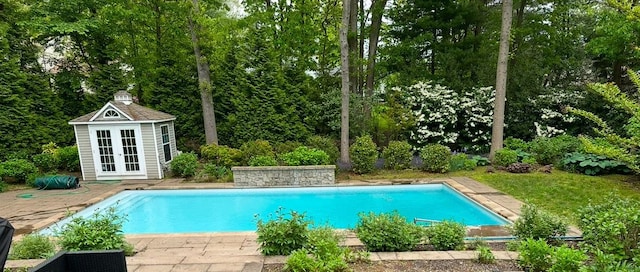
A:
57,182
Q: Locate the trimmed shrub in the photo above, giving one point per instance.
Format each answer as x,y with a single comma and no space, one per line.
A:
516,144
364,155
535,255
530,161
537,224
68,158
46,162
612,227
305,156
397,155
325,144
387,232
221,155
261,160
102,231
19,169
184,165
255,148
32,246
286,147
461,162
551,150
566,259
446,235
435,158
283,234
470,165
505,157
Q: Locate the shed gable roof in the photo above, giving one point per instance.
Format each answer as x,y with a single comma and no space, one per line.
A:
133,112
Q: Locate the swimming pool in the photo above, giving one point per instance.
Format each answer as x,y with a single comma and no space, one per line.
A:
232,210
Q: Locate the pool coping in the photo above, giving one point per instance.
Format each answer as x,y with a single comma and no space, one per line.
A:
476,197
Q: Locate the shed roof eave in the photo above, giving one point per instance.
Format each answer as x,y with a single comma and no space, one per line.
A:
120,122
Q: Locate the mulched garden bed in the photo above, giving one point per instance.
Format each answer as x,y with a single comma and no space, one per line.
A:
421,266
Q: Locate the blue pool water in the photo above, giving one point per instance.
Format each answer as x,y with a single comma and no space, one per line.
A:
229,210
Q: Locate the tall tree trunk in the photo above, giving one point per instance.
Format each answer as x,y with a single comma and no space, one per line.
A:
377,10
344,65
204,83
352,37
501,79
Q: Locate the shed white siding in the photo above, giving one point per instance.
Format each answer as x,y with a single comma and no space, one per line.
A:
149,150
85,151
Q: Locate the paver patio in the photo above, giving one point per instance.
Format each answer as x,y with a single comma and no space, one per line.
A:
30,210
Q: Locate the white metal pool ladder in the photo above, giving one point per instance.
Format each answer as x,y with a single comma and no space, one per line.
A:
428,221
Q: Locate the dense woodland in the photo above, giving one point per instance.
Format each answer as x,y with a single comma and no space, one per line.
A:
421,70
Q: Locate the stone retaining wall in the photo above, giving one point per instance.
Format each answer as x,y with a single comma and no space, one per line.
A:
266,176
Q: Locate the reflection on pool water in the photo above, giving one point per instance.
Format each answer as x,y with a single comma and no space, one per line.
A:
232,210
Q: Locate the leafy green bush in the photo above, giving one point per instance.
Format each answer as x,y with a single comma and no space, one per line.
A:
305,156
184,165
485,255
435,158
19,169
480,160
530,161
261,160
516,144
505,157
221,155
68,158
214,173
461,162
32,246
283,234
397,155
3,185
609,263
446,235
535,255
590,164
102,231
286,147
321,253
46,162
387,232
612,227
364,155
551,150
470,165
325,144
537,224
566,259
255,148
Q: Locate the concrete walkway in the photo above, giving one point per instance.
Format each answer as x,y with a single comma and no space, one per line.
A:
29,210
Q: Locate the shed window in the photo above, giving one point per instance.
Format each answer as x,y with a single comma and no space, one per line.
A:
110,113
166,145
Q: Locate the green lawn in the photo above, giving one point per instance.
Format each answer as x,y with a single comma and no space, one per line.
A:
561,193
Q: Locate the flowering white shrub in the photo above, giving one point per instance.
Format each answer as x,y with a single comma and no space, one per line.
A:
552,105
444,116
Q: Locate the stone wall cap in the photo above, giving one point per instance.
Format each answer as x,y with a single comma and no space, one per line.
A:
267,168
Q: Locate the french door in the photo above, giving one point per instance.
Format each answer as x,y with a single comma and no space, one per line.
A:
117,151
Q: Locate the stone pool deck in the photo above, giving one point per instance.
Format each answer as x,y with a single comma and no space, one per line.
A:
30,210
